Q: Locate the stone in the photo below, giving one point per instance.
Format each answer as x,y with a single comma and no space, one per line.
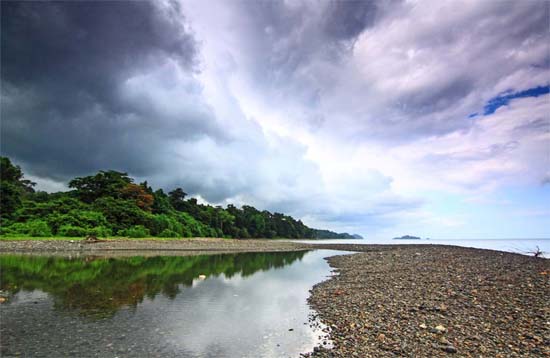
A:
450,349
423,326
440,329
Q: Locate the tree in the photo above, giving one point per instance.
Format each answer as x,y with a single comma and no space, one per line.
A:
139,195
105,183
177,197
12,187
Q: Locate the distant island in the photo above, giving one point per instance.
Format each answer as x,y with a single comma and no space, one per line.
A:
407,237
109,203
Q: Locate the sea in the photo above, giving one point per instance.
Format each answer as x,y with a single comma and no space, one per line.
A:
520,246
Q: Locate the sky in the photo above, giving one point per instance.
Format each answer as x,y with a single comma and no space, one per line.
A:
382,118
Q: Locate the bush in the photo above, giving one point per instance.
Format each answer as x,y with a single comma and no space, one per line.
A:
164,222
100,231
168,233
136,231
38,228
72,231
15,229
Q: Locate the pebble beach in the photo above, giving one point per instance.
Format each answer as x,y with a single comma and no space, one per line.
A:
435,301
393,300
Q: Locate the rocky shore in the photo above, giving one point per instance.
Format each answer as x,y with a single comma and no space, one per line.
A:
123,247
392,300
435,301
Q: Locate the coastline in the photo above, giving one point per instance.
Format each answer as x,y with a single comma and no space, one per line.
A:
146,246
435,301
390,300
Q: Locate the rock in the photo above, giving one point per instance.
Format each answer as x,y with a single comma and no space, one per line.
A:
423,326
381,337
440,329
291,329
450,349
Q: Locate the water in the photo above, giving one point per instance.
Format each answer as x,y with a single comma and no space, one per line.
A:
249,305
521,246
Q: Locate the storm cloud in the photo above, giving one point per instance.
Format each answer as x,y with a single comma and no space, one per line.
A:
352,115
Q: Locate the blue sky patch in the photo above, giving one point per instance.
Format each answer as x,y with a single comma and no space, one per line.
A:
502,100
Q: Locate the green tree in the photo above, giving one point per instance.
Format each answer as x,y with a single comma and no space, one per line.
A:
13,187
105,183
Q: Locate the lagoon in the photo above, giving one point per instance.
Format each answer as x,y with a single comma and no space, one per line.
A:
230,305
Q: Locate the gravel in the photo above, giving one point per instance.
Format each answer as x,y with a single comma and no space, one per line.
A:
435,301
125,247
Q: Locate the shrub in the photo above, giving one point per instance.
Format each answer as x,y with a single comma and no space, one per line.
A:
38,228
72,231
168,233
164,222
136,231
14,229
100,231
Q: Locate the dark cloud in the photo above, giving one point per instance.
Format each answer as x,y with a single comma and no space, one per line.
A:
80,83
345,20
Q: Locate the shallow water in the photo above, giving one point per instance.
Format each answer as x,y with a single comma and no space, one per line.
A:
521,246
249,305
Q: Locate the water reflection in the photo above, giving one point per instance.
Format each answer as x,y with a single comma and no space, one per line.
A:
249,305
100,286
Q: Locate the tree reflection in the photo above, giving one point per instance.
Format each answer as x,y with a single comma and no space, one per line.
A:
101,286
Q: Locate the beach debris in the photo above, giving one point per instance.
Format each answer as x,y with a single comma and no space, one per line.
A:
537,252
90,239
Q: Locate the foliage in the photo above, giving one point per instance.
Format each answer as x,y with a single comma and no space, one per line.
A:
13,187
105,183
109,202
139,195
137,231
168,233
33,228
72,231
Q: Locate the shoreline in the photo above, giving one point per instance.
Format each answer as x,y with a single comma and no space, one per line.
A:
390,300
146,246
435,301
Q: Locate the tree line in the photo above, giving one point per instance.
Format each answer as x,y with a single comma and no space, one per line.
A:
110,203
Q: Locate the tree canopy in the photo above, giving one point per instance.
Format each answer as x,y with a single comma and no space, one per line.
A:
109,203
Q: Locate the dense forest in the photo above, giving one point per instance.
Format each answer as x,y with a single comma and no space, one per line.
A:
109,203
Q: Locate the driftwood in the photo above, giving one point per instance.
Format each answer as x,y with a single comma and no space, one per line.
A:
537,252
91,239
